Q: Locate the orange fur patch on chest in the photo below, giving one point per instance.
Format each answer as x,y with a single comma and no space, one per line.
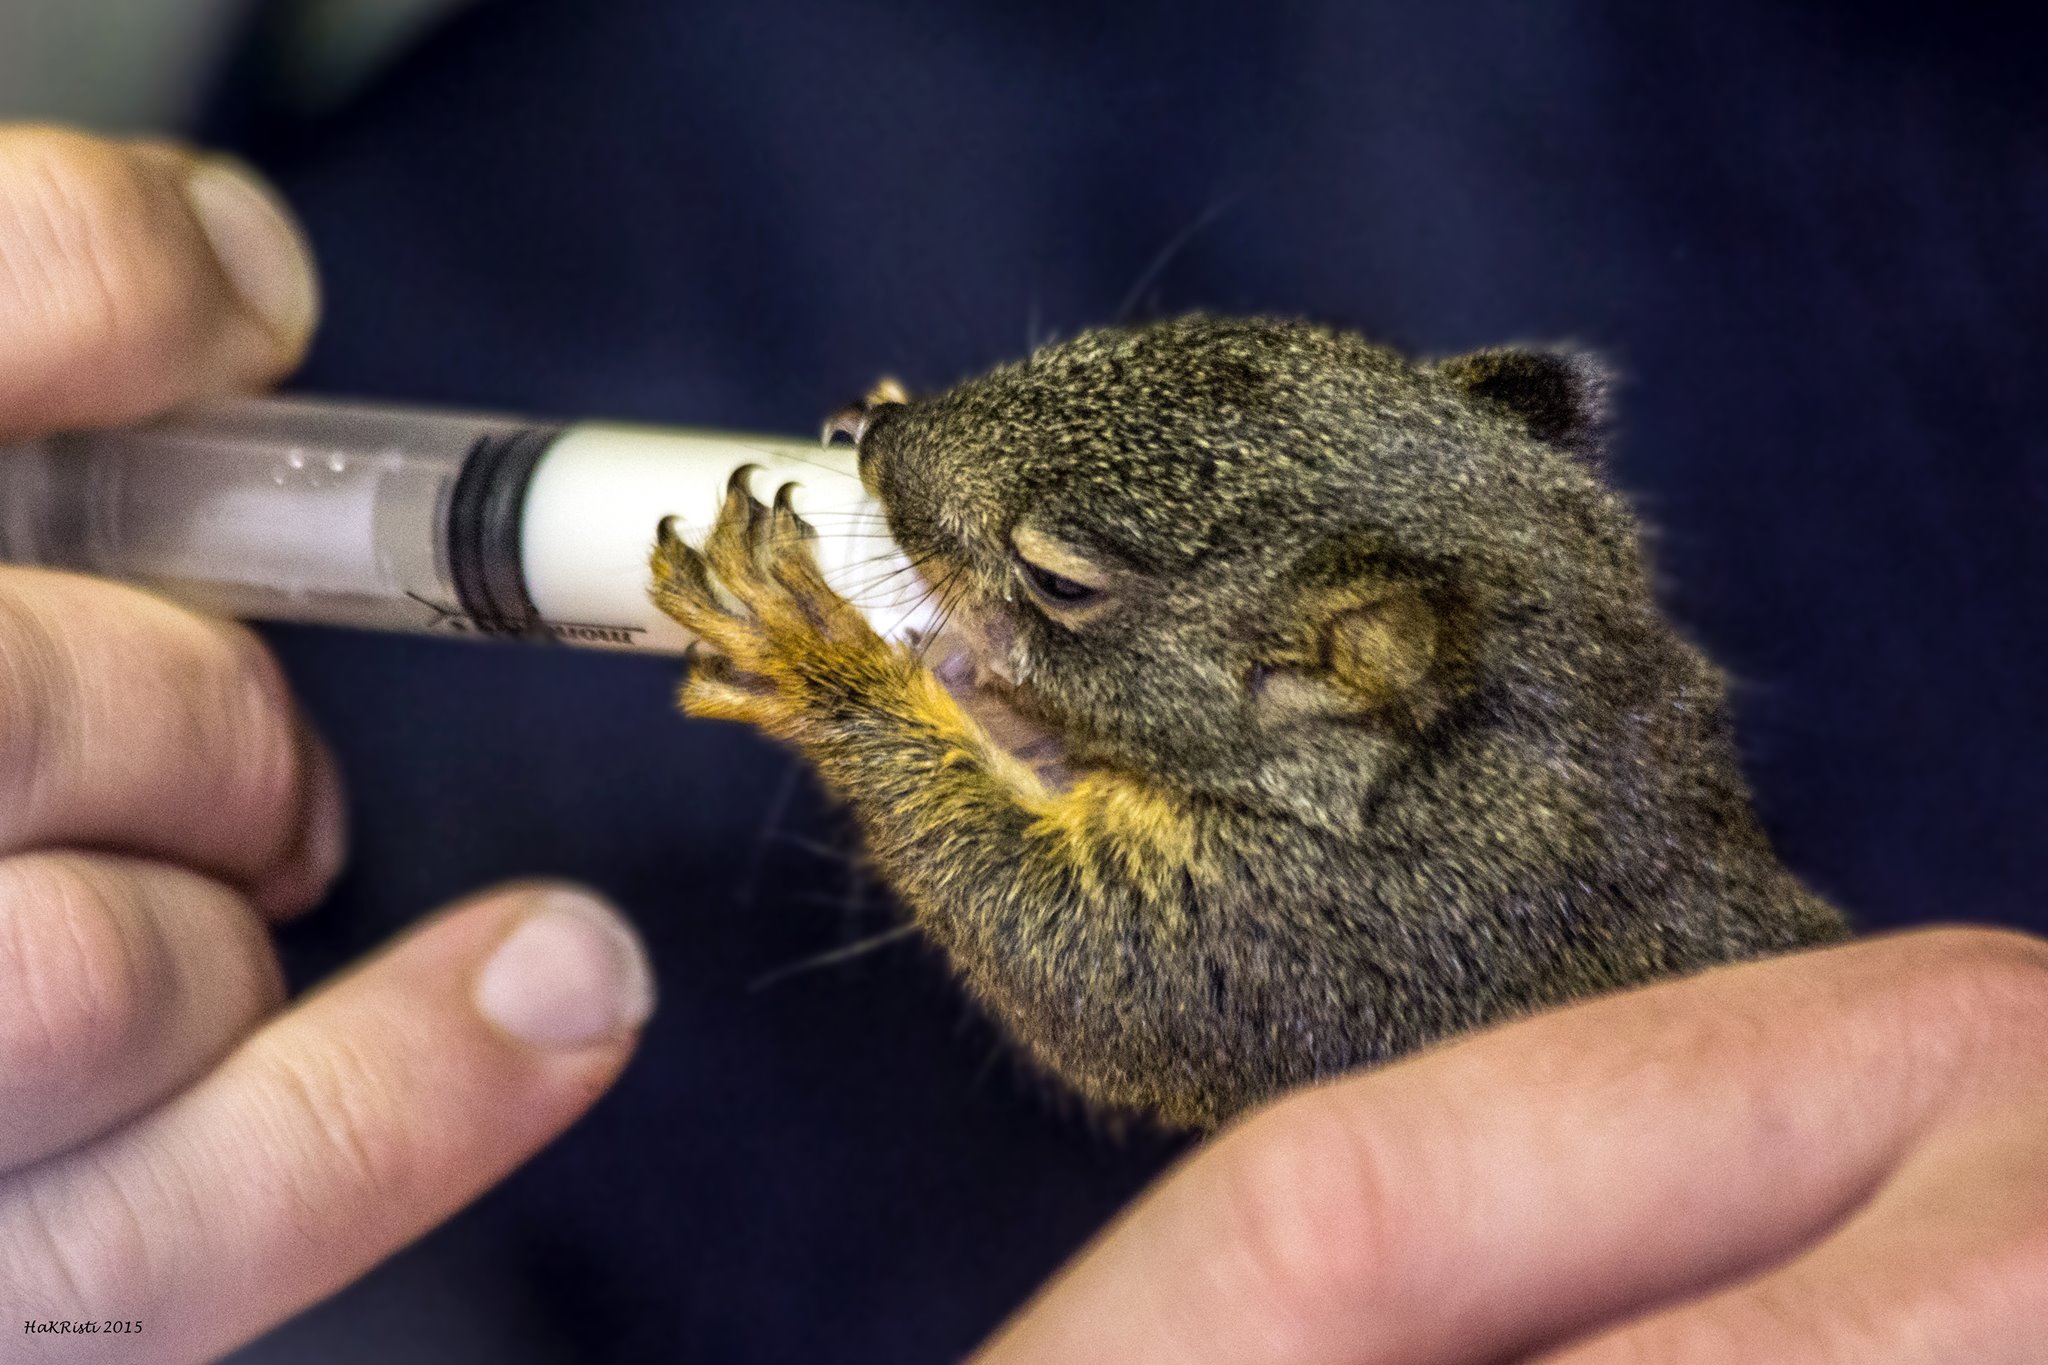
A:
1113,825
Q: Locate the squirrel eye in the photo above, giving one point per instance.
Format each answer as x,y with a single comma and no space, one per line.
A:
1057,588
1063,580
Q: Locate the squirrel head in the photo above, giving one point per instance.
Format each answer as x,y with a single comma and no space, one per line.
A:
1261,559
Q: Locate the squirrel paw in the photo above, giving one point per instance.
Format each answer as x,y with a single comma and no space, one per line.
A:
786,644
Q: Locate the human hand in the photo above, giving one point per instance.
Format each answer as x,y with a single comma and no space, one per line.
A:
1840,1156
175,1153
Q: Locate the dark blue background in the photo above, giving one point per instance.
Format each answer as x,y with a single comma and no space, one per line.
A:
1811,235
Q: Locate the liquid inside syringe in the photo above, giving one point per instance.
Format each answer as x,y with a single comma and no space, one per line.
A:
389,518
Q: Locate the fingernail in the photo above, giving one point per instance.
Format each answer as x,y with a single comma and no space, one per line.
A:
571,973
259,248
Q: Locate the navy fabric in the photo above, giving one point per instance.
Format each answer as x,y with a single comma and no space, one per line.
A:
1810,235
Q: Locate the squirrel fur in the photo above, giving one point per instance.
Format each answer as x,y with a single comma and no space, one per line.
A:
1350,719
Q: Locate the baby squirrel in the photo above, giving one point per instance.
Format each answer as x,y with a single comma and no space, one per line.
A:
1314,705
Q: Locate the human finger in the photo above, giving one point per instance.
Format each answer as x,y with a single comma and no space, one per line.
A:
334,1135
1946,1265
129,724
138,278
120,980
1523,1186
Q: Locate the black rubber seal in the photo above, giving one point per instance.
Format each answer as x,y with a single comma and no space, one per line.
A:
484,516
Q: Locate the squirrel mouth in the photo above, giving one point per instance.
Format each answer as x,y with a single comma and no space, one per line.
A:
964,659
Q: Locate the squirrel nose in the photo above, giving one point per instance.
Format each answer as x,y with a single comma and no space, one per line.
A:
853,421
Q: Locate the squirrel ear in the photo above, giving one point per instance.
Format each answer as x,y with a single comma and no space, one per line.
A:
1370,655
1380,651
1560,393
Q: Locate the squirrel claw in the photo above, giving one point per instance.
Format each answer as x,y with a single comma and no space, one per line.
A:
740,483
785,507
777,633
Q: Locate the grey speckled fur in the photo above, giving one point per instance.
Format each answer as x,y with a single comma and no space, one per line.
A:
1554,811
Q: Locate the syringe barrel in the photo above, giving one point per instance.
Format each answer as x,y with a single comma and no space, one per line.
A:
393,518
